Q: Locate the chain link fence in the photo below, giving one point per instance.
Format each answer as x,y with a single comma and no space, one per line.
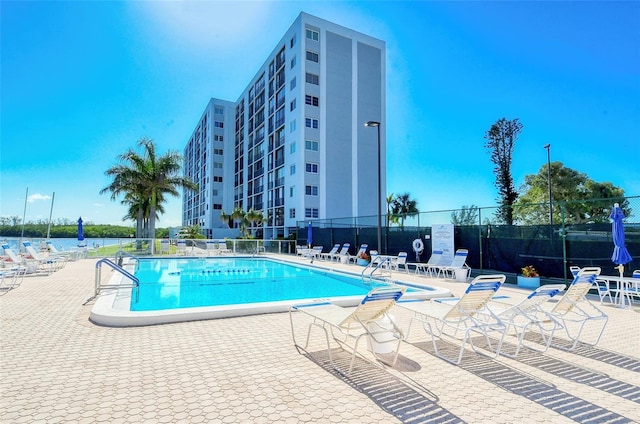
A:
549,237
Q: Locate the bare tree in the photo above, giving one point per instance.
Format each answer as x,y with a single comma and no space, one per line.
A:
501,139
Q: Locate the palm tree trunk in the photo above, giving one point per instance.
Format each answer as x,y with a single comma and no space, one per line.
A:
152,220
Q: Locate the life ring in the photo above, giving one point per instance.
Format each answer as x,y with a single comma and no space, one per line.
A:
418,246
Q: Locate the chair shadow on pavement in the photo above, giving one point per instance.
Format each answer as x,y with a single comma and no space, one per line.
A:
534,389
405,399
612,358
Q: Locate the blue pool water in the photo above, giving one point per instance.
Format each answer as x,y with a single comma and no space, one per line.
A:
191,282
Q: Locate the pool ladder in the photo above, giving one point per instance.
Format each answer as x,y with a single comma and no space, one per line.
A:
135,283
377,266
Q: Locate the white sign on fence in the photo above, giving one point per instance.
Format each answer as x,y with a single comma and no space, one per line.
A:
442,239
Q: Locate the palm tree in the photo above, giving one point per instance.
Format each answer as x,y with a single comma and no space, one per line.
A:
127,181
145,180
391,218
224,217
239,215
255,217
403,206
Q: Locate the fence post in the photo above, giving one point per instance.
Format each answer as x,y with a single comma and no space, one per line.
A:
480,238
564,240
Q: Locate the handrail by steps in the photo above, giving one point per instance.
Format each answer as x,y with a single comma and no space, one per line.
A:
375,265
135,282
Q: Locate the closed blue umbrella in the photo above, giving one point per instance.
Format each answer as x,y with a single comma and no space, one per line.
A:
80,233
310,234
620,255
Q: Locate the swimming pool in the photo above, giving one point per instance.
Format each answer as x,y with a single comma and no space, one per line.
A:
186,289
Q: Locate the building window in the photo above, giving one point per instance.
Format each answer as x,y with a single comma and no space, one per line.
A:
310,122
217,179
292,213
292,84
292,105
218,110
217,165
312,78
218,152
311,145
219,124
217,206
293,61
312,56
311,100
311,213
218,138
293,41
292,126
292,191
292,148
313,35
311,167
311,190
292,169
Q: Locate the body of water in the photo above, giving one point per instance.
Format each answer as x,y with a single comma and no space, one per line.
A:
61,243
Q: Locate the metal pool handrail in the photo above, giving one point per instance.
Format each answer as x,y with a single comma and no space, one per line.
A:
135,282
375,266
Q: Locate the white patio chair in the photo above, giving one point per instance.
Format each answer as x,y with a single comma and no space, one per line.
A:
527,315
429,267
343,253
574,311
347,326
53,263
458,262
327,255
363,249
460,320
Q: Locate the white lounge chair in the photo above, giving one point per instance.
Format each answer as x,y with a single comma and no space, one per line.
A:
604,290
462,318
459,262
70,255
181,246
573,310
429,267
55,263
314,252
343,253
165,246
526,315
399,262
327,255
11,277
362,250
347,326
31,265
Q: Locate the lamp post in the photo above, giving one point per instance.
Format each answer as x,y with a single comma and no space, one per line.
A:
548,147
377,124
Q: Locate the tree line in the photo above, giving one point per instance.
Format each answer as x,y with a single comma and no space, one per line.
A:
40,229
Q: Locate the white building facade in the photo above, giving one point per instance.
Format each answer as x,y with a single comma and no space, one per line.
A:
294,145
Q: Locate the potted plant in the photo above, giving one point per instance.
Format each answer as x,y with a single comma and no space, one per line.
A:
363,258
530,278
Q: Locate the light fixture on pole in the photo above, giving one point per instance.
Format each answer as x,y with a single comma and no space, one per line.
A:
377,124
548,147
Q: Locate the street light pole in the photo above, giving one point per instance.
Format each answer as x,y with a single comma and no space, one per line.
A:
548,147
377,124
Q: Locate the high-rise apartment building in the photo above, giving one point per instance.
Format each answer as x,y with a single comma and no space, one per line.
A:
294,145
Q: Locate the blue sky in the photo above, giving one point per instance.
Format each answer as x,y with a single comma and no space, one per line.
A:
81,82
